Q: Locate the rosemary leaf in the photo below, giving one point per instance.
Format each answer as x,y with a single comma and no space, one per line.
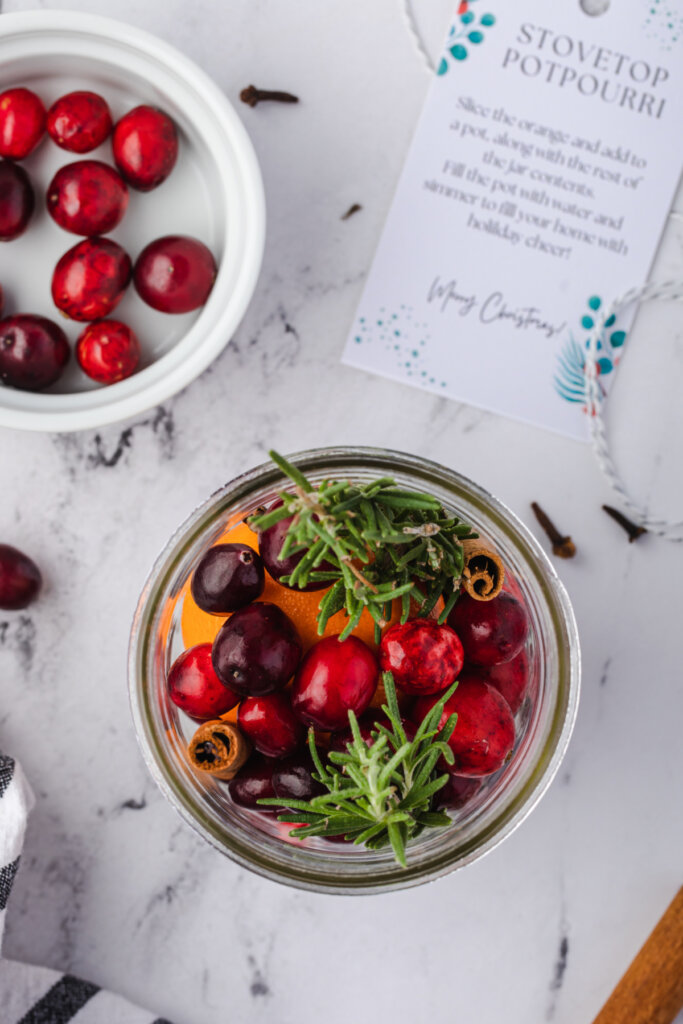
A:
379,793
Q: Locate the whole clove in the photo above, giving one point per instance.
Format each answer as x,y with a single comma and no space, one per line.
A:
354,208
253,96
563,547
634,530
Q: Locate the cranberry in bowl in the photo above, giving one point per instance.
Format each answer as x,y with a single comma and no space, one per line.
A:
106,84
530,741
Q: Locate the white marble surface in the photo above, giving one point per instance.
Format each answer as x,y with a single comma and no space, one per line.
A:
112,885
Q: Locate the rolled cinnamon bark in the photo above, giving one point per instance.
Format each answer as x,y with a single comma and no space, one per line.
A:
484,572
218,749
651,991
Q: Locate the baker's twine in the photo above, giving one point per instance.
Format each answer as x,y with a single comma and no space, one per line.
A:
594,396
595,404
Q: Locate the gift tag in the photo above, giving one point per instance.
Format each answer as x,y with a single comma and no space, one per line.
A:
536,188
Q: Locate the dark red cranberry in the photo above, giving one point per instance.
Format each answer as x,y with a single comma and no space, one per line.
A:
22,123
33,352
145,144
90,279
79,121
293,778
485,731
108,351
87,198
20,579
257,650
17,201
423,656
457,792
271,725
510,678
228,577
334,678
194,686
175,274
270,545
491,631
254,782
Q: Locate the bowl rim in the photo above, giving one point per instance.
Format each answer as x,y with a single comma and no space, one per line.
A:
535,789
179,366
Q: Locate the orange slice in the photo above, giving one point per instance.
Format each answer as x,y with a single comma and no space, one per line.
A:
199,627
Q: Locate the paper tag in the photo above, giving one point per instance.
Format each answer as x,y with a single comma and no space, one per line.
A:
536,187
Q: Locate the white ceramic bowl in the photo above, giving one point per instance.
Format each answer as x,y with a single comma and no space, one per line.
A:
214,193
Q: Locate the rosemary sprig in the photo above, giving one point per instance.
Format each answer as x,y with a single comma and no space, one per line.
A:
373,543
380,794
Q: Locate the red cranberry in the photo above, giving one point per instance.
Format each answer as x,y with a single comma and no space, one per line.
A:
334,678
87,198
490,631
17,201
90,279
108,351
20,579
457,792
270,545
423,656
253,783
293,779
510,678
22,123
271,725
145,144
257,650
79,121
194,686
33,352
228,577
175,274
485,731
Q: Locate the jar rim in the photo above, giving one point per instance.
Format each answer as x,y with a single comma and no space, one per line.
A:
296,867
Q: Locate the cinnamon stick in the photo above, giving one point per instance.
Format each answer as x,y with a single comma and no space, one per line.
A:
484,572
218,749
651,991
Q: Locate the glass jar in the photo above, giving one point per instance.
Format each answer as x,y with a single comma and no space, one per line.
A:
544,722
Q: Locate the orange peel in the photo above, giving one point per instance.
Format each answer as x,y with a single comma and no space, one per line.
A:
199,627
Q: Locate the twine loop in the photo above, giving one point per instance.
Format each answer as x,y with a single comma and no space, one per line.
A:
595,399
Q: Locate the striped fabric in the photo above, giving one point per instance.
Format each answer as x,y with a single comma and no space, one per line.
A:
36,995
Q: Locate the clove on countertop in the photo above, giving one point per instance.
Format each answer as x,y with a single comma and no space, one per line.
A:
253,96
562,546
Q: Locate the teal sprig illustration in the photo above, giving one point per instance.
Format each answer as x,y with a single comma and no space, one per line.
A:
468,30
570,378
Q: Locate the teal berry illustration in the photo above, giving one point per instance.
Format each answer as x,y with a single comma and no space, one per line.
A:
615,339
466,31
570,378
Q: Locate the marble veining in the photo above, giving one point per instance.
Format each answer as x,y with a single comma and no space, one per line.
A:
112,885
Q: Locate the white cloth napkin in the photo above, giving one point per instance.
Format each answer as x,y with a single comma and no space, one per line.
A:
36,995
